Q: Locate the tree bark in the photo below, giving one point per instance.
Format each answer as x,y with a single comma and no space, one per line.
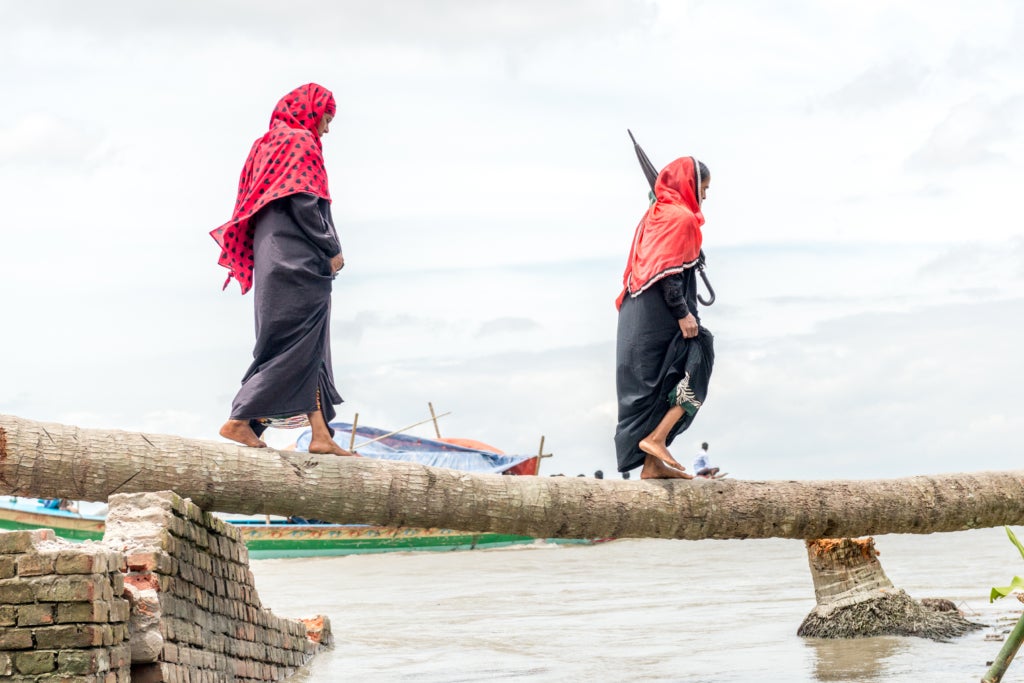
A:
59,461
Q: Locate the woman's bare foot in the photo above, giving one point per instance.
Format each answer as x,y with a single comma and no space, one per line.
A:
240,432
659,450
655,468
328,447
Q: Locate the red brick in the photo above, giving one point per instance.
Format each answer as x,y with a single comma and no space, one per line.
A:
15,541
73,636
38,614
73,588
71,562
142,562
15,639
81,662
15,591
143,581
35,662
79,612
120,611
35,565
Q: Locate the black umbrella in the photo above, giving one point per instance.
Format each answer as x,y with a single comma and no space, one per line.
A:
645,163
651,174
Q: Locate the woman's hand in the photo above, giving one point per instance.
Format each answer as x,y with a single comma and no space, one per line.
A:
337,263
688,326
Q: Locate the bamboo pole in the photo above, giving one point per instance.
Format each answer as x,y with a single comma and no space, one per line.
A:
433,417
352,439
398,431
541,454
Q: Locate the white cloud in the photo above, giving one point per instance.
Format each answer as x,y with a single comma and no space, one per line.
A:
866,162
47,141
507,325
880,85
974,132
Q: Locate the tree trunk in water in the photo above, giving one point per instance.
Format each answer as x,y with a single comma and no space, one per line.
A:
58,461
856,599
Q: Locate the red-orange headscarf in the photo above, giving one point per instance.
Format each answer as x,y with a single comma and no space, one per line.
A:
668,239
287,160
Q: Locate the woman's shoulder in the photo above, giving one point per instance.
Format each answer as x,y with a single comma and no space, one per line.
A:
281,132
671,216
293,135
676,210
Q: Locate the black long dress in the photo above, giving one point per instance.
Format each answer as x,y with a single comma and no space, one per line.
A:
291,373
653,358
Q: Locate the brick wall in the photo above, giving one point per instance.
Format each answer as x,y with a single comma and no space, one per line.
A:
196,615
62,617
166,597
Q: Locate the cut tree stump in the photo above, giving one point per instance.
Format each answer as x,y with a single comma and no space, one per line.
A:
856,599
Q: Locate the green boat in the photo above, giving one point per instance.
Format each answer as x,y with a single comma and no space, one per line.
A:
271,537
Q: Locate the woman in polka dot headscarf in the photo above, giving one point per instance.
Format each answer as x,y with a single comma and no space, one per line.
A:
281,243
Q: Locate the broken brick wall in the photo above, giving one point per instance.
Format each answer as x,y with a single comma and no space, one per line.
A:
196,614
62,614
167,596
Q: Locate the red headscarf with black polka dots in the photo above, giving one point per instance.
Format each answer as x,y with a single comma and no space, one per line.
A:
287,160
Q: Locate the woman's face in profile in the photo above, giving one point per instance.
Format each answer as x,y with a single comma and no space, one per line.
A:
324,126
704,185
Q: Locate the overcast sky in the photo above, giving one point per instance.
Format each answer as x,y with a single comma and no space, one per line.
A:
863,230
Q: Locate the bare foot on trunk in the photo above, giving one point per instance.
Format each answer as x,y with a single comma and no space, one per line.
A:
240,432
654,468
328,447
659,450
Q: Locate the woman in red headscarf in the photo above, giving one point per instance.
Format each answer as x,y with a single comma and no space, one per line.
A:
663,355
281,243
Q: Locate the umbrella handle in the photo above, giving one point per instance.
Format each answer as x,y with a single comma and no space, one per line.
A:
711,290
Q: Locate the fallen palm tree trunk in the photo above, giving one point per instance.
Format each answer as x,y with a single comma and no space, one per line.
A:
59,461
856,599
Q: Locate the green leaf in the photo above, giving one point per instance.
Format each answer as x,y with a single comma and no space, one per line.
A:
1009,532
1002,591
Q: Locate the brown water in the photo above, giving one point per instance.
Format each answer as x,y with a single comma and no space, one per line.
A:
632,610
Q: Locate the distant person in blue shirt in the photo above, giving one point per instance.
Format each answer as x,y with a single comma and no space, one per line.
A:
702,463
58,504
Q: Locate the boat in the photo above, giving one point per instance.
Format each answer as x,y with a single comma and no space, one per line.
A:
31,513
279,537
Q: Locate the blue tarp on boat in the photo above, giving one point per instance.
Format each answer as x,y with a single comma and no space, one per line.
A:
417,449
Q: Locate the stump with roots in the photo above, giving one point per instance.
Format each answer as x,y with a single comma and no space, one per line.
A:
856,599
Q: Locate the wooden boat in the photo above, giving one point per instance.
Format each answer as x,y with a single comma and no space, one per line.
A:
30,513
297,540
274,537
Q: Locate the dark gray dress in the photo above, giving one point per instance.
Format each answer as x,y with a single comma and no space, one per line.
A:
291,374
655,367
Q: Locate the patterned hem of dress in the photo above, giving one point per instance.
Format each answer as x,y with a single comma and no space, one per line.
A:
682,395
293,422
